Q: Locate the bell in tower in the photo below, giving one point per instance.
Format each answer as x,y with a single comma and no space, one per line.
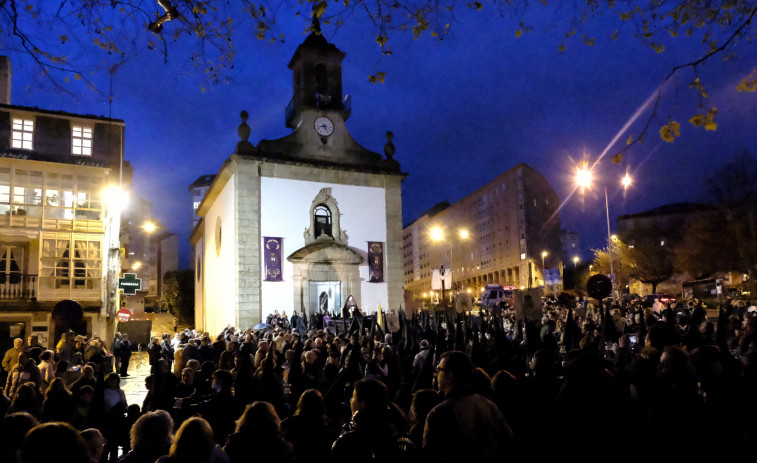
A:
317,73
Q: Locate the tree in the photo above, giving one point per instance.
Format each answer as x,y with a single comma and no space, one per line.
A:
619,253
733,188
703,249
79,40
650,263
178,294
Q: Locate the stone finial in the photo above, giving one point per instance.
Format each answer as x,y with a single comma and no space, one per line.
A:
389,147
244,146
244,129
315,26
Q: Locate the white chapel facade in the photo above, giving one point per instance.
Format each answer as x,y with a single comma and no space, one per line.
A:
303,222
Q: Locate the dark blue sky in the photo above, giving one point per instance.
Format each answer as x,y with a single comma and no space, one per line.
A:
463,111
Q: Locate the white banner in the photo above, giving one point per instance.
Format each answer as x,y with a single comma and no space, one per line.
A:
436,279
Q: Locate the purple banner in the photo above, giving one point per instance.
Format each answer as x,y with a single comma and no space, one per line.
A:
375,262
272,253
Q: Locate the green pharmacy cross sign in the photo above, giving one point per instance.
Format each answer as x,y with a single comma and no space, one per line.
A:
130,284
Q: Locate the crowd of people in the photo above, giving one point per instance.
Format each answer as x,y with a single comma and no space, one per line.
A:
593,381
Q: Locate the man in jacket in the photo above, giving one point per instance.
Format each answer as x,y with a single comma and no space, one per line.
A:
465,426
11,358
125,354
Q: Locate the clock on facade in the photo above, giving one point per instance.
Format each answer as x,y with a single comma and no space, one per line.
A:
324,126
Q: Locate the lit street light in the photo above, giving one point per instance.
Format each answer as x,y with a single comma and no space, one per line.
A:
584,180
543,268
149,227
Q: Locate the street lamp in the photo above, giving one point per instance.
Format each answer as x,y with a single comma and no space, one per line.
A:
150,227
576,259
584,178
543,268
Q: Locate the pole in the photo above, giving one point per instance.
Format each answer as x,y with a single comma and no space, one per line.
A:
609,245
543,270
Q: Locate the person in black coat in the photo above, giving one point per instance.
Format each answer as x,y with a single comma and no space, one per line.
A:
371,434
154,351
125,353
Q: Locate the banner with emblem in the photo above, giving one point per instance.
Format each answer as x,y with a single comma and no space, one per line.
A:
272,251
375,262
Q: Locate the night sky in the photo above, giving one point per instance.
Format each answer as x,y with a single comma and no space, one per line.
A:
463,111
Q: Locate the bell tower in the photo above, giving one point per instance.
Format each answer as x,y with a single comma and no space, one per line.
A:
317,71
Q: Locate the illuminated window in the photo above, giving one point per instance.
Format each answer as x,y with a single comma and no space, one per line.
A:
81,143
23,131
59,264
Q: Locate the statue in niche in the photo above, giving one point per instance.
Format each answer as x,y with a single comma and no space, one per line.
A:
349,307
323,302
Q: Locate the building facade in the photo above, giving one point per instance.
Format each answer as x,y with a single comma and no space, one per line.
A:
197,191
303,223
150,250
59,237
495,235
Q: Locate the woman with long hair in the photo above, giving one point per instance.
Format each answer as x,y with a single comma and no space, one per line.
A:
27,399
194,443
310,430
259,433
151,437
58,404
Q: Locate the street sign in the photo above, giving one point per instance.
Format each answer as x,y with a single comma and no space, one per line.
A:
123,315
130,284
441,270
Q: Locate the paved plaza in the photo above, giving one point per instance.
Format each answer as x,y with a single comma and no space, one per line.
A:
139,366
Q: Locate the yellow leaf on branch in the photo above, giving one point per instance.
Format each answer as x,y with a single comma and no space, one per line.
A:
670,132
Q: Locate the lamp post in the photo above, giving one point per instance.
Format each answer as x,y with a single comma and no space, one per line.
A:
544,269
576,259
150,227
584,178
115,200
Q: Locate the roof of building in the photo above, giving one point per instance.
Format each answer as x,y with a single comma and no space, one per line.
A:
203,180
669,209
37,156
435,209
439,207
58,113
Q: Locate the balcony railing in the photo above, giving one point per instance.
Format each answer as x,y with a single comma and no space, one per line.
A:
18,287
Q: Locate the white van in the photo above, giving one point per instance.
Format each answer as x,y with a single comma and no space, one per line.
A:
494,294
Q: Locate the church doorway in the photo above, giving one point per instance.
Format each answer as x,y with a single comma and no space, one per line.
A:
325,296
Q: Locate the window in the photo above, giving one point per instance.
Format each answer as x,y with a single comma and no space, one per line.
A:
27,193
81,142
5,190
23,130
59,196
58,263
195,205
